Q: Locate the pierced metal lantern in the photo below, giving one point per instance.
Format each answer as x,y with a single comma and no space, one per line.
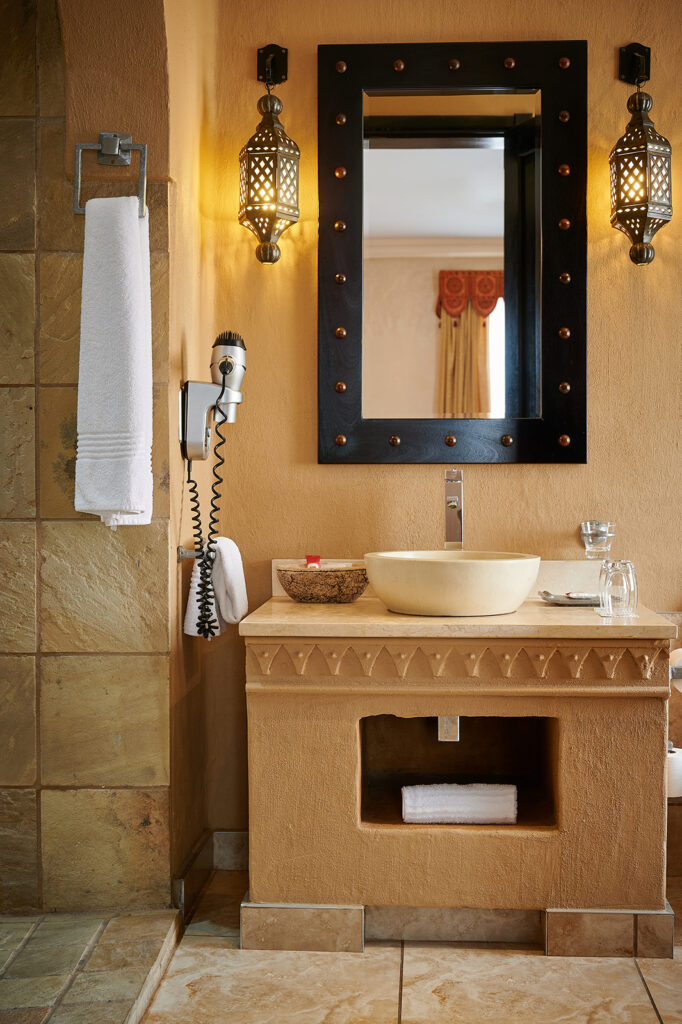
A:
641,194
268,181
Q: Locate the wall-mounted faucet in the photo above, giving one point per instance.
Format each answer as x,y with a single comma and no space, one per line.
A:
454,538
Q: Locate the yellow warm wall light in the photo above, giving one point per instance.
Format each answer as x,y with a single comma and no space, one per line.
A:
268,165
641,193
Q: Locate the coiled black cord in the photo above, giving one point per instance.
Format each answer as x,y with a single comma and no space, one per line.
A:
207,624
196,511
217,479
205,618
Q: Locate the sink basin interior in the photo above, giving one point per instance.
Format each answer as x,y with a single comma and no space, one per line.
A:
452,582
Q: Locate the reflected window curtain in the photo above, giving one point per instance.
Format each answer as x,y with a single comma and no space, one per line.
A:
465,300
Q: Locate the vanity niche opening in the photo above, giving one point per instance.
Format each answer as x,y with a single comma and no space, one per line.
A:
398,752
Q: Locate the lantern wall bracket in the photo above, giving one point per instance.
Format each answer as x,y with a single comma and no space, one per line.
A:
634,63
272,64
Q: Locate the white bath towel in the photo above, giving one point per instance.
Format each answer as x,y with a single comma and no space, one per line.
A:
449,804
113,462
230,602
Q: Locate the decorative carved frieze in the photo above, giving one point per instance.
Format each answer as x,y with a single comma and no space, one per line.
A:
394,659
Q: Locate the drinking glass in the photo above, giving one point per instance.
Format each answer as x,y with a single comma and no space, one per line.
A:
618,589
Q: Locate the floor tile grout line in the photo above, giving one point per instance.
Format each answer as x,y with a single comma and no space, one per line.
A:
82,961
648,992
21,946
400,981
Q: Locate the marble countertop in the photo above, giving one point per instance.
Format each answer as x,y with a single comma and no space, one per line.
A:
367,617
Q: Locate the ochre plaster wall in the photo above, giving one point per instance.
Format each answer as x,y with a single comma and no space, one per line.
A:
191,67
278,501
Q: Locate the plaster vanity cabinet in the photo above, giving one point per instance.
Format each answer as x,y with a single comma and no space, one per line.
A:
343,702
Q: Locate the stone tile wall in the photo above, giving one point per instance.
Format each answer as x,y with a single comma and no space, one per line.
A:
84,612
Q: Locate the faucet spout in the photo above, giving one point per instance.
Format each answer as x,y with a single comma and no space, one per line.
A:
454,538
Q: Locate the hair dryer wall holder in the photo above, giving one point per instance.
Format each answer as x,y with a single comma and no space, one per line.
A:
184,553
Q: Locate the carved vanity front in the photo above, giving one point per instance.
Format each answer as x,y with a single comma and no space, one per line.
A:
343,702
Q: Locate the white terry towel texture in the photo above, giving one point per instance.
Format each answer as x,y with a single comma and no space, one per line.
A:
229,588
113,462
445,803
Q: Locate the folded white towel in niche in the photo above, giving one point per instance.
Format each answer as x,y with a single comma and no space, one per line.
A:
113,461
230,602
450,804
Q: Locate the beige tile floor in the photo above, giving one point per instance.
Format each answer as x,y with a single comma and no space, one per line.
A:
210,979
82,968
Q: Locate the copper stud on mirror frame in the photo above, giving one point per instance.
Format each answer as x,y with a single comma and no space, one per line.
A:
340,440
340,119
340,172
507,440
564,332
564,62
564,440
398,65
340,332
339,225
340,386
564,224
394,440
340,278
564,116
454,64
450,440
509,63
341,66
564,170
565,277
564,387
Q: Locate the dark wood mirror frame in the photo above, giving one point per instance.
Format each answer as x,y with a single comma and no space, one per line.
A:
345,73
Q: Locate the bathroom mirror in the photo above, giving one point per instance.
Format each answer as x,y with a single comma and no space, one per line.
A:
452,252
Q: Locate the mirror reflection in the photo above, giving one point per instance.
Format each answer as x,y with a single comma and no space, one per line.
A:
451,244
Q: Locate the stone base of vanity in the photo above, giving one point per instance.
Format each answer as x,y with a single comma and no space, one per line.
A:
327,929
609,933
454,924
343,929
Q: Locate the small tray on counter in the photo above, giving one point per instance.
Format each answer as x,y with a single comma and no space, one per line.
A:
574,599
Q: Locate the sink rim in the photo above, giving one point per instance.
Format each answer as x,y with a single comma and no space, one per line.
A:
452,555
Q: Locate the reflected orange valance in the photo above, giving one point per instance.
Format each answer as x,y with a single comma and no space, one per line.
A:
482,288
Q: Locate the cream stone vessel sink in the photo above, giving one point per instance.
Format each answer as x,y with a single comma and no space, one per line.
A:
452,582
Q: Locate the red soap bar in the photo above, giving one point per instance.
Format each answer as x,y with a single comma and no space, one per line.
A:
312,561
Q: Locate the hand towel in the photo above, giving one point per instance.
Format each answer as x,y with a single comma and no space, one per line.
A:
449,804
230,603
113,461
228,581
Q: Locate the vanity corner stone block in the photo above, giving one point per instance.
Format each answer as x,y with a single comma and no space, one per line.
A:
328,929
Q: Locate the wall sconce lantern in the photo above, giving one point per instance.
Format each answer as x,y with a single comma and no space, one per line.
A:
641,194
268,165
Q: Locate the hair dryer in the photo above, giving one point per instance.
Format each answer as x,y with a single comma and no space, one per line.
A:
199,401
200,405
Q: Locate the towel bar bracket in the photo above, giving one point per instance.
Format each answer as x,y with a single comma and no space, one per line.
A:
113,149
